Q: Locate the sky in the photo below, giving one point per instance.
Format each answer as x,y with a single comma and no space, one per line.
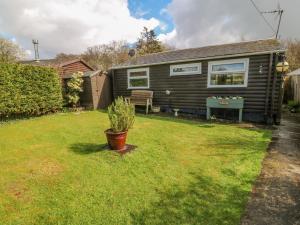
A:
70,26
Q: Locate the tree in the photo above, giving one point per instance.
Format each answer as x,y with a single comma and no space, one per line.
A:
62,57
293,53
105,55
74,87
148,43
10,52
293,58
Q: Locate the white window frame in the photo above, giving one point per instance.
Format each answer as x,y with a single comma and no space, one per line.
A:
199,70
230,61
146,69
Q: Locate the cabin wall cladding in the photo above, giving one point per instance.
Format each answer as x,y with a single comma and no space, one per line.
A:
189,92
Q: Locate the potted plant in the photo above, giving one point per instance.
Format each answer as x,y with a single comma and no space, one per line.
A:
121,117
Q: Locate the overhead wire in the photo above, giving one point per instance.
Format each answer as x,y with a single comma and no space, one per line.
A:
264,18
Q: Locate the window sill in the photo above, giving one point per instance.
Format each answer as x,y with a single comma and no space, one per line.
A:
185,74
129,88
228,86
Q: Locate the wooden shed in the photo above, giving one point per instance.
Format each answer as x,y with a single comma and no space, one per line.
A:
97,89
295,84
191,76
97,93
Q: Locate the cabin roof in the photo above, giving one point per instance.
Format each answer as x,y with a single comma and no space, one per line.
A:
213,51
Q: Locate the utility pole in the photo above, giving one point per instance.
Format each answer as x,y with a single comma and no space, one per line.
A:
280,15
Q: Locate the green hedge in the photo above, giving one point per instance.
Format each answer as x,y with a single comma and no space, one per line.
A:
27,90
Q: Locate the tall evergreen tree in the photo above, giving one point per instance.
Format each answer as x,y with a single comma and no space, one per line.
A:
148,43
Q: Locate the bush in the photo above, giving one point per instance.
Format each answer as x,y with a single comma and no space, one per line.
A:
294,106
121,115
27,90
74,87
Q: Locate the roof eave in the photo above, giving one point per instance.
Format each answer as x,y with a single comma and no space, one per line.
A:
198,59
74,61
294,73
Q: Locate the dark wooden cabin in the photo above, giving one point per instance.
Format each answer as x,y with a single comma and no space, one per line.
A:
245,69
96,84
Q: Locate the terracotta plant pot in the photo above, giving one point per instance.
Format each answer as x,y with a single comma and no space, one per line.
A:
116,141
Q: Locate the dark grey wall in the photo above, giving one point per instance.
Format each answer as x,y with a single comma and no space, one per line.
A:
189,92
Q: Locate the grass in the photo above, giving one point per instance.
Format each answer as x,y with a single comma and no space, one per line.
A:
54,171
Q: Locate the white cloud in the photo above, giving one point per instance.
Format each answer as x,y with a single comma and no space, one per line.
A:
201,22
14,40
69,26
140,12
72,25
163,11
168,38
28,52
163,26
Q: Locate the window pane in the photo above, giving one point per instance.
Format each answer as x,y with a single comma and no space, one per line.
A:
227,79
138,74
228,67
185,69
143,82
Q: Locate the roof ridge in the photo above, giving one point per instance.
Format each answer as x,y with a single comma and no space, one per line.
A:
212,45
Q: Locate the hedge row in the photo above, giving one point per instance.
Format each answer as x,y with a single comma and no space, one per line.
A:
27,90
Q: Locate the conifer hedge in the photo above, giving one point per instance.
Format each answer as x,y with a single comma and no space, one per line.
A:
27,90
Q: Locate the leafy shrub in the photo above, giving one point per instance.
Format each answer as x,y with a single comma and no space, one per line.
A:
27,90
294,106
74,87
121,115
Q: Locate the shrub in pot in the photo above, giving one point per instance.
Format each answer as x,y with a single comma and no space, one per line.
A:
121,117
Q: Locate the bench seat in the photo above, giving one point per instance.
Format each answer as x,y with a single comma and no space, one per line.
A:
141,98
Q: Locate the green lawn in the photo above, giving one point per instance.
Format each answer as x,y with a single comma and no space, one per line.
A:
54,171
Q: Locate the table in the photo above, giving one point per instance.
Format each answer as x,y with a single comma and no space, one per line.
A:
225,103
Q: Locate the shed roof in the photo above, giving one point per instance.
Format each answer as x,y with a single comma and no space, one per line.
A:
213,51
54,62
294,73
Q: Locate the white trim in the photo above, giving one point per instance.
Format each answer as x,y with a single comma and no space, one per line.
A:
199,59
245,61
198,65
144,69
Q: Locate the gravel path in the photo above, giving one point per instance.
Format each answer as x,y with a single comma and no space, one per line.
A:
276,195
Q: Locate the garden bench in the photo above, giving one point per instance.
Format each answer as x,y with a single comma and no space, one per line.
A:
142,98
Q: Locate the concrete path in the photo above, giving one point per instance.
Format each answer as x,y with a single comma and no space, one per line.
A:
276,196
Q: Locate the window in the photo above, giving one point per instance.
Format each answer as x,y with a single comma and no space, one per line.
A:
138,78
185,69
228,73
